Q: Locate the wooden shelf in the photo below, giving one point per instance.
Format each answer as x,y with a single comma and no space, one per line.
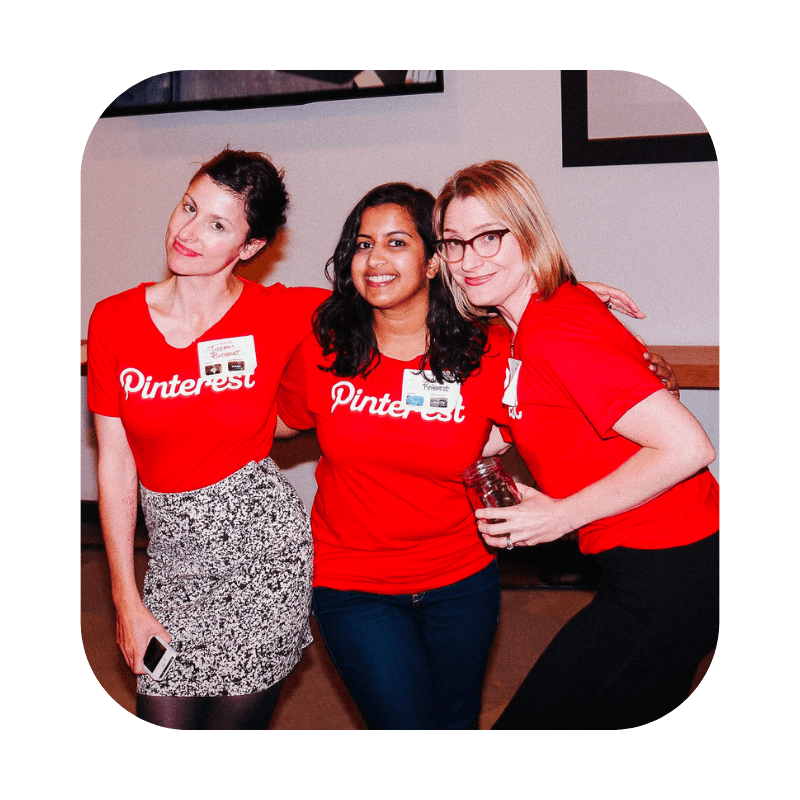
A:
696,367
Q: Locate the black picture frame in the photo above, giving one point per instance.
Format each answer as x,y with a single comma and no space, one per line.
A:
161,94
578,150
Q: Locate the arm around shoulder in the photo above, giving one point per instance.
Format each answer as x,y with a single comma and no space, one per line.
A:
496,445
283,431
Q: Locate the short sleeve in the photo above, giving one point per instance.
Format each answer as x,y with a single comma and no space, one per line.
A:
599,365
102,384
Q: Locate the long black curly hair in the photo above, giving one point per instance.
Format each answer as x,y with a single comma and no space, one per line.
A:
343,323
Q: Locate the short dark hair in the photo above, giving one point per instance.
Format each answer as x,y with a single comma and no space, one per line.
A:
258,182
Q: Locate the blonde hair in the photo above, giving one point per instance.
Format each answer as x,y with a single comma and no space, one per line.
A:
511,196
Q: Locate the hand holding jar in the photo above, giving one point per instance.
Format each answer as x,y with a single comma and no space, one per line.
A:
535,518
490,486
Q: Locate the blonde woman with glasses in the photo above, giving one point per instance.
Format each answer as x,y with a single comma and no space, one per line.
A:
614,455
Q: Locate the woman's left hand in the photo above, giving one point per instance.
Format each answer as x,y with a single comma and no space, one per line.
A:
537,519
615,299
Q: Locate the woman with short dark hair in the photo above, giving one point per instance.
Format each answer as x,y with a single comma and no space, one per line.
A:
182,382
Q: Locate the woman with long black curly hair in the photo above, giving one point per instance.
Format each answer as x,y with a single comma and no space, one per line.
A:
402,392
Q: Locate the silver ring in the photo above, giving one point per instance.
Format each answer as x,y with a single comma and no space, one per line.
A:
509,543
608,304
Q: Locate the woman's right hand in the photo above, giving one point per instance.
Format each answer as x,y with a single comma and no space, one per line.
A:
117,481
135,627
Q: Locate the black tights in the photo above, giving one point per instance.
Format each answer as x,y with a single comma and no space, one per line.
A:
250,712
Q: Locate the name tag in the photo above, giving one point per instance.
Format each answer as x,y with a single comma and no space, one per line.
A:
422,392
224,357
512,378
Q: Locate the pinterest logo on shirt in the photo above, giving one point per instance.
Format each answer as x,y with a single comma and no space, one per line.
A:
136,382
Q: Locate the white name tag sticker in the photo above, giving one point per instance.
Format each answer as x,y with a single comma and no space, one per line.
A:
420,394
512,378
222,358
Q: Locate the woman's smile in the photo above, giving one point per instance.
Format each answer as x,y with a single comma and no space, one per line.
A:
379,280
212,218
184,251
389,268
502,280
478,280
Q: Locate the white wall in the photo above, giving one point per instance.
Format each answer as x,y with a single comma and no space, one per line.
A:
650,229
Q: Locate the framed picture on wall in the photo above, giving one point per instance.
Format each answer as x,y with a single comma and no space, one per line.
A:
610,117
194,90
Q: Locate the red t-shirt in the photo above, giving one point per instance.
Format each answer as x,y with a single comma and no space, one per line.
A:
581,371
197,414
391,513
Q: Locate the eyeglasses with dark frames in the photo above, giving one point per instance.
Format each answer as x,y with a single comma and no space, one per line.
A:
486,245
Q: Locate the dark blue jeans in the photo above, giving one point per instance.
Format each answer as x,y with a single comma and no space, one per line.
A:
413,661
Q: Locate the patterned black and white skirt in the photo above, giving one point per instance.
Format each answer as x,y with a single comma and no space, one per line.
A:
230,579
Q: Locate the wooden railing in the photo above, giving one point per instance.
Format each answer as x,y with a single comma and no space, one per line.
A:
695,367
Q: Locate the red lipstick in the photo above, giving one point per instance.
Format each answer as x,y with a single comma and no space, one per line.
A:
183,250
